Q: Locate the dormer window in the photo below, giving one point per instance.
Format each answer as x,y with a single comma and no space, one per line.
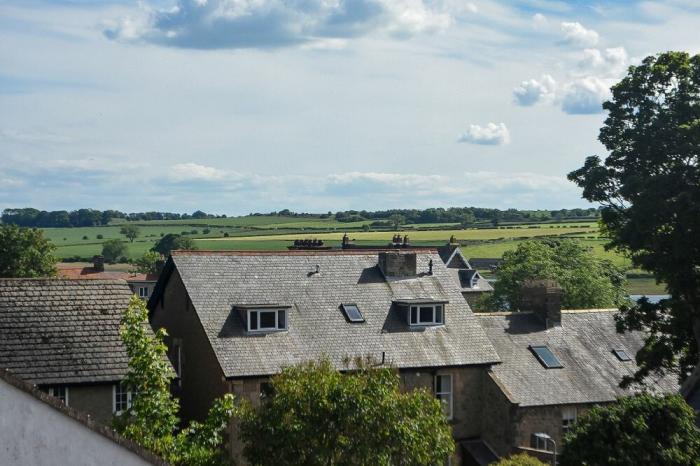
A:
267,320
426,314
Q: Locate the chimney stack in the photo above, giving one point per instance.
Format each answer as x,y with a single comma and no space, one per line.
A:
98,263
398,264
543,297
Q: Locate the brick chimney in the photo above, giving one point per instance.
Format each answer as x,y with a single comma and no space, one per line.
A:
398,264
543,297
98,263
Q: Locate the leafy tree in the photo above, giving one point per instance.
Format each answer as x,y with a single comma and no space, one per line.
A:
397,220
112,249
319,416
467,219
148,263
152,419
131,231
25,253
586,281
521,459
641,430
172,242
649,189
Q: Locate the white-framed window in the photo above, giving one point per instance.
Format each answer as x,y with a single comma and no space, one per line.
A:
121,398
568,418
443,392
541,441
143,292
60,392
426,314
267,320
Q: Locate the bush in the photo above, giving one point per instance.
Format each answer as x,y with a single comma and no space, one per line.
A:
521,459
206,231
85,237
194,232
226,235
100,237
113,249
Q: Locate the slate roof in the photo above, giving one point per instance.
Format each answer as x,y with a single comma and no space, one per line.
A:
63,331
218,281
583,344
455,261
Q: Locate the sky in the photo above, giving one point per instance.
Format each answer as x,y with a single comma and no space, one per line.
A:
238,106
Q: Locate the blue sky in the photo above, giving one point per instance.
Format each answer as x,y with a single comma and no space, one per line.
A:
237,106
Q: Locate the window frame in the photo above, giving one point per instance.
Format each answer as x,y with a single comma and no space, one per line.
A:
618,352
129,398
344,307
545,364
258,312
449,394
54,391
143,292
568,422
420,323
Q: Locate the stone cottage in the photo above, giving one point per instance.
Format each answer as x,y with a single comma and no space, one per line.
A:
63,336
236,318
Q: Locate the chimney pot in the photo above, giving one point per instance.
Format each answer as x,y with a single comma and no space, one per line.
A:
98,263
398,264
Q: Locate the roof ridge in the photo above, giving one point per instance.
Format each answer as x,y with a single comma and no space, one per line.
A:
113,281
299,252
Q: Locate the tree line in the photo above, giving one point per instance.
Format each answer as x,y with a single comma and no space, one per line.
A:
30,217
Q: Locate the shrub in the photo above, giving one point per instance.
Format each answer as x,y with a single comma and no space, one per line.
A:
206,231
521,459
226,235
85,237
100,237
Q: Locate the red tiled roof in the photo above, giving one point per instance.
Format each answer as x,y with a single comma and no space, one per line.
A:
89,273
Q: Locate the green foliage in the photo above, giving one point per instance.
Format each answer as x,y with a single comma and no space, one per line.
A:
131,231
641,430
172,242
113,249
397,220
152,419
147,263
649,187
25,253
586,281
319,416
521,459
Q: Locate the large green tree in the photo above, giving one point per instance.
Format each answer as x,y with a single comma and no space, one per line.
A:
147,263
172,242
641,430
152,420
586,281
320,416
25,253
649,187
131,231
113,249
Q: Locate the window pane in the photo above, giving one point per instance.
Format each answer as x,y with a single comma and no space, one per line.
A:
281,319
426,314
253,324
414,315
438,315
267,319
546,357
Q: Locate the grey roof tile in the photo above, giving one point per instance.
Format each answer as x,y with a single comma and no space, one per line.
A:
583,344
217,282
63,331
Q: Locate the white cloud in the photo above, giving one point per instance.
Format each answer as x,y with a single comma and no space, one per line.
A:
607,62
586,95
193,171
540,21
33,137
217,24
535,91
493,134
577,34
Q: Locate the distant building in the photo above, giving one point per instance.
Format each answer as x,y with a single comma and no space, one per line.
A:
140,283
63,336
237,318
473,285
38,429
556,364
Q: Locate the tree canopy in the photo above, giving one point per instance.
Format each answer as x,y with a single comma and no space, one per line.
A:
147,263
113,249
172,242
152,420
586,281
521,459
649,188
131,231
320,416
641,430
25,253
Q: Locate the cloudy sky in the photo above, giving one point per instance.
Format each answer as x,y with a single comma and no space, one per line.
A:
237,106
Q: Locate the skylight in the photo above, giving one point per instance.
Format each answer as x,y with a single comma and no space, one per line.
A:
621,354
546,357
352,312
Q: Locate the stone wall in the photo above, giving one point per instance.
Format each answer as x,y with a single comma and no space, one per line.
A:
498,417
202,379
547,419
95,400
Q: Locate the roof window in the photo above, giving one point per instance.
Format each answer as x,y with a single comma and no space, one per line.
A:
546,357
267,320
352,313
426,314
621,354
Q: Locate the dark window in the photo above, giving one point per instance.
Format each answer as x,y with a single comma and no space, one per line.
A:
253,316
438,314
546,357
426,314
622,355
267,319
266,390
414,315
352,312
281,319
